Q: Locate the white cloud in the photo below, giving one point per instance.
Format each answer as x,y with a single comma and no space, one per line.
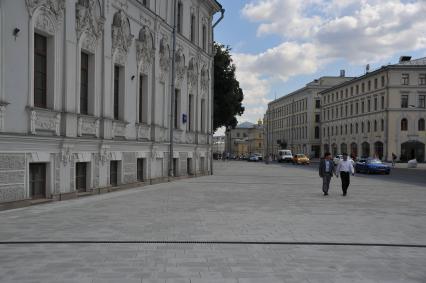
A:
317,32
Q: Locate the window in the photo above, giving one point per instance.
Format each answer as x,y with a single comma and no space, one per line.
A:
37,181
369,85
422,79
362,106
190,112
404,101
116,91
375,83
368,105
382,102
143,89
179,17
351,129
404,125
368,126
176,109
317,118
422,99
362,127
140,169
346,129
375,125
203,114
84,83
352,109
40,71
422,124
113,173
317,132
405,79
382,125
204,37
356,108
356,128
145,3
357,89
81,176
375,104
317,103
383,81
352,90
192,28
362,87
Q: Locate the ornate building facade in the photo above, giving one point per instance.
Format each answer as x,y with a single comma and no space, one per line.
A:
293,121
85,94
379,113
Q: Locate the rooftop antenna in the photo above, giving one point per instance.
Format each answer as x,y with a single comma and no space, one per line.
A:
275,95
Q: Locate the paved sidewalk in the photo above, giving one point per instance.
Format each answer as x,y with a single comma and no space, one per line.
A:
242,202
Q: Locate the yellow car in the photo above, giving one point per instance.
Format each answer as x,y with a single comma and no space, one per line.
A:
300,159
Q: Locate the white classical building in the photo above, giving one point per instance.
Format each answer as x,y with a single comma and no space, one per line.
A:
293,120
85,91
379,113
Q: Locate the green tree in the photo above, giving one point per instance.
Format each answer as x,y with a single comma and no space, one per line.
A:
228,95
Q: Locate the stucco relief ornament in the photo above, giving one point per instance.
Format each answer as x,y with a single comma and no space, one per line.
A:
154,153
89,23
121,36
204,79
145,51
180,66
104,155
66,155
55,7
164,53
192,73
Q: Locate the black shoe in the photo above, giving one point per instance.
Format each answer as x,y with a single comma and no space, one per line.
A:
326,194
344,194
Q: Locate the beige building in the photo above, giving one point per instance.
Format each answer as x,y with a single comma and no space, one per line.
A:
245,139
293,121
379,113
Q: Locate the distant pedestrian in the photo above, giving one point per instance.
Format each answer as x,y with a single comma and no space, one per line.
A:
345,169
326,170
394,157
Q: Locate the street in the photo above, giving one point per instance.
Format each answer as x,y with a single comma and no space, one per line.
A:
250,222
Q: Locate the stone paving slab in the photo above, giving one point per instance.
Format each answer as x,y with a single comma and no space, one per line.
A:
242,202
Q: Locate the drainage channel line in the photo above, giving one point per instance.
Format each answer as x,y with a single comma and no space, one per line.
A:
216,243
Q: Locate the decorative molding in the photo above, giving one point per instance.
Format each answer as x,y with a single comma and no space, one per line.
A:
190,138
88,126
144,131
192,73
45,120
2,117
54,7
164,53
44,23
177,136
180,66
104,154
121,37
65,154
145,51
204,79
89,24
119,129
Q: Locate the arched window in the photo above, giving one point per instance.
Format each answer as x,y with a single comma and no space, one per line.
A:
382,126
368,126
422,124
404,125
351,129
356,128
317,132
375,125
362,127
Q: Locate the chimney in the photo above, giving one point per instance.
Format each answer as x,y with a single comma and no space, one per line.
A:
404,59
342,73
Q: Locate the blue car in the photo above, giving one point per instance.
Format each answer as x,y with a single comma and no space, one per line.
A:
371,166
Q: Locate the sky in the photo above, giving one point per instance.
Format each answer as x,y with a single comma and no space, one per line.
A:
278,46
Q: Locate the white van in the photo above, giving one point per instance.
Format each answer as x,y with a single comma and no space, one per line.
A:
285,155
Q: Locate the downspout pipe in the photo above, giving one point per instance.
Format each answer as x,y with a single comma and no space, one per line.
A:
222,15
172,92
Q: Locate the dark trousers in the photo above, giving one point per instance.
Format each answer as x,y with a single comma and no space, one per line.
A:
326,182
344,176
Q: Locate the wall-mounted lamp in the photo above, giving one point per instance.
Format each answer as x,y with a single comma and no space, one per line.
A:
16,32
133,77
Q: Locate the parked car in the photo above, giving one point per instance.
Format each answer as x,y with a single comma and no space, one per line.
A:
300,159
371,165
285,155
259,156
253,157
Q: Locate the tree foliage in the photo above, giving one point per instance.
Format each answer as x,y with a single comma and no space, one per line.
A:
228,95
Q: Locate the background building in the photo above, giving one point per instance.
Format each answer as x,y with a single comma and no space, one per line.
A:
245,139
379,113
293,121
218,146
85,93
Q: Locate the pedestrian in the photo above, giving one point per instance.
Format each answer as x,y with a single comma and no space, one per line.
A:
393,159
345,169
326,170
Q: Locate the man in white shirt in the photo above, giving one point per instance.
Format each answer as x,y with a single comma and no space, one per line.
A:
344,169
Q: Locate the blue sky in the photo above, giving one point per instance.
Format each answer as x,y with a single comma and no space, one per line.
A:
280,45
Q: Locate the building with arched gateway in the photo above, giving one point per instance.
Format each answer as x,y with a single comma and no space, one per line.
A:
377,114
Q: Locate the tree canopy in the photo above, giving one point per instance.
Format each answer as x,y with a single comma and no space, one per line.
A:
228,95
